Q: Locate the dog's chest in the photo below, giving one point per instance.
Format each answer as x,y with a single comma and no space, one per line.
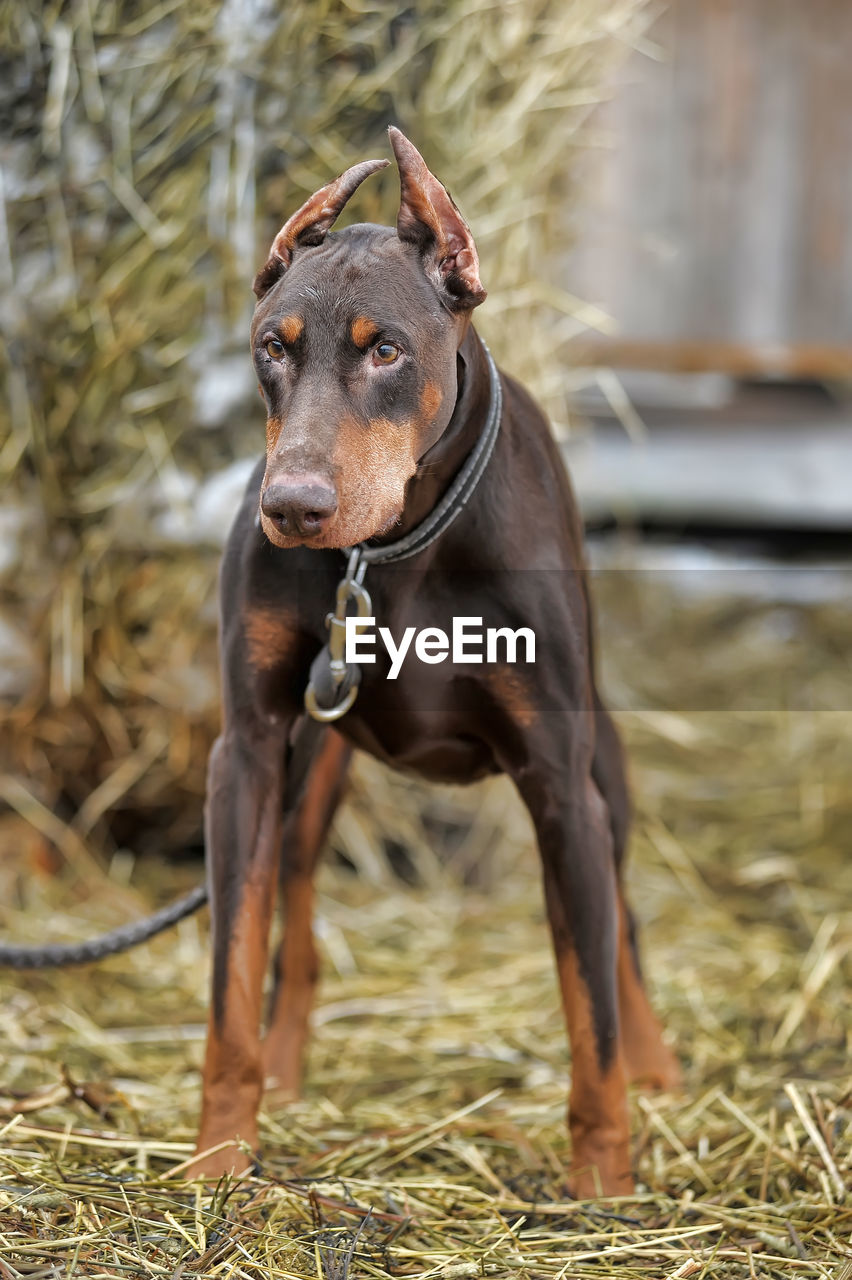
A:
420,722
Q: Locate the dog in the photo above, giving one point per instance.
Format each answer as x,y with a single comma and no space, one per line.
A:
378,395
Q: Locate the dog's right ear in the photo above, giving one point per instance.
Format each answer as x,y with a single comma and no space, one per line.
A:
311,224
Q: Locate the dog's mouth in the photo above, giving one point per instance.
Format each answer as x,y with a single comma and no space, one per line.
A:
337,534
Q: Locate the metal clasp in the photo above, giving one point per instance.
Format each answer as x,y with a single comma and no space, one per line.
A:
350,588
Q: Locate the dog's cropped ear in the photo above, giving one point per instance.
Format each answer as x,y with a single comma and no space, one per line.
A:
428,219
311,224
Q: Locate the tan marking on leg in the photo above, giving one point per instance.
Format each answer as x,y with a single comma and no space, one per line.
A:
597,1113
284,1046
364,331
283,1049
233,1078
512,692
291,329
650,1062
270,637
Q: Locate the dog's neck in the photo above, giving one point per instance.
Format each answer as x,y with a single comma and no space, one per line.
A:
439,465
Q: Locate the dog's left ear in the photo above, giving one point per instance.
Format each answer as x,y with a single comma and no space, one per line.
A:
311,224
429,220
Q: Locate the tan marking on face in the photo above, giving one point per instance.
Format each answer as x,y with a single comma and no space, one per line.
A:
363,331
512,692
273,431
430,400
291,328
372,463
270,638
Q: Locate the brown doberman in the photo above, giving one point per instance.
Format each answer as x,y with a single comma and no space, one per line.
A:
378,392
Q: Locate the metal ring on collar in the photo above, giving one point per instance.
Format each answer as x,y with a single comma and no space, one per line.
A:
327,714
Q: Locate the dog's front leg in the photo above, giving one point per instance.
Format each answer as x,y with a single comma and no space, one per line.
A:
305,831
243,822
575,842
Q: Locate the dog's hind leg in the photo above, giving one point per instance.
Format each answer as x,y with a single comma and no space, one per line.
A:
554,777
649,1061
610,774
304,835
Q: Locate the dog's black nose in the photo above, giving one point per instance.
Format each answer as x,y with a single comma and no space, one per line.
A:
299,508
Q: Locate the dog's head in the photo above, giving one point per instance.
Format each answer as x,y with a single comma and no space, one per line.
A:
354,339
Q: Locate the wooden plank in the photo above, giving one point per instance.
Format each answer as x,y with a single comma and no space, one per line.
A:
736,359
722,212
739,474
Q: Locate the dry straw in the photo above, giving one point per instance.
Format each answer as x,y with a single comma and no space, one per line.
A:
431,1140
152,153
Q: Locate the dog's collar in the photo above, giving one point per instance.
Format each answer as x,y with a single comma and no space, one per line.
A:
456,497
333,684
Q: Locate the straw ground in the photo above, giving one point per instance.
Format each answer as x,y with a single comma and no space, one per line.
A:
430,1141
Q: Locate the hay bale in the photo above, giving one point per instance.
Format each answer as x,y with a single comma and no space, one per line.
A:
152,156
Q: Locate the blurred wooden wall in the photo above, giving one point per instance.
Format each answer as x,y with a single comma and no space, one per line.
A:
717,223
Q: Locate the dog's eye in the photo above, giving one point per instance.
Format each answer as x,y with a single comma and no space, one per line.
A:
275,349
385,353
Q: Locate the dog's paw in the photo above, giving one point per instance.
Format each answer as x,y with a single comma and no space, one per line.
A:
600,1165
213,1162
657,1072
599,1181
